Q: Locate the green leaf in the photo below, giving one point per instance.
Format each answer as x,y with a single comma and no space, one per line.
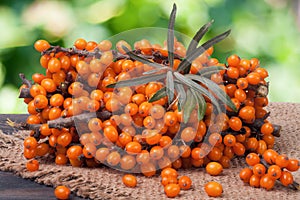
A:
158,95
198,88
198,36
214,88
137,81
170,87
140,59
189,106
201,105
170,38
182,94
186,63
208,71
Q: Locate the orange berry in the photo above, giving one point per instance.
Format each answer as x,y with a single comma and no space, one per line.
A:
286,178
254,181
213,189
41,45
274,172
245,175
32,165
172,190
80,43
267,128
253,78
267,182
214,168
229,140
270,156
259,169
235,123
247,113
282,161
233,60
62,192
170,118
129,180
293,165
184,182
133,147
252,159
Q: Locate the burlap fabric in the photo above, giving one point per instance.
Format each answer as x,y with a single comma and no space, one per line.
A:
104,183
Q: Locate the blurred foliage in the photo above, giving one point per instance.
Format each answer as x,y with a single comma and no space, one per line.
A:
265,29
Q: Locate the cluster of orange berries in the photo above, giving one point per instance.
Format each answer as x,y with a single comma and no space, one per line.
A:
268,168
140,136
172,184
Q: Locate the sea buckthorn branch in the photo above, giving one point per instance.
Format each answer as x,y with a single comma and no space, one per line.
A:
261,90
156,55
61,122
295,185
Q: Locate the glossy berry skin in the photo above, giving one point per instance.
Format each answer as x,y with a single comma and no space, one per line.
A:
214,168
270,156
252,159
293,165
30,143
32,165
213,189
274,172
254,181
41,45
74,152
169,172
282,161
62,192
185,182
267,182
267,128
235,123
172,190
259,170
129,180
245,175
286,178
233,60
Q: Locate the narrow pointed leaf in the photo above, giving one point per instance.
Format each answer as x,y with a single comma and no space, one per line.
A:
201,105
214,88
153,71
198,36
158,95
182,94
137,81
140,59
208,71
189,106
170,87
170,38
186,63
198,88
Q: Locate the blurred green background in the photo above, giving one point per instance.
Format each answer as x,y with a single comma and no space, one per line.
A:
266,29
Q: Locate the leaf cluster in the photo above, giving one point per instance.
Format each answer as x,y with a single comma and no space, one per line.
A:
188,89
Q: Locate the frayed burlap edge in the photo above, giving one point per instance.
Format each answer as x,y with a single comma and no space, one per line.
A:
104,183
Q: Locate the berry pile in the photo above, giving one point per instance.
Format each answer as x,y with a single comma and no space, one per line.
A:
147,107
269,167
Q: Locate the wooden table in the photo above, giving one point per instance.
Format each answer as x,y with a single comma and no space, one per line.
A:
13,187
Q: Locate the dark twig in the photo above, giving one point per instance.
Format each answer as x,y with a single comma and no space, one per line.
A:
61,122
25,81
